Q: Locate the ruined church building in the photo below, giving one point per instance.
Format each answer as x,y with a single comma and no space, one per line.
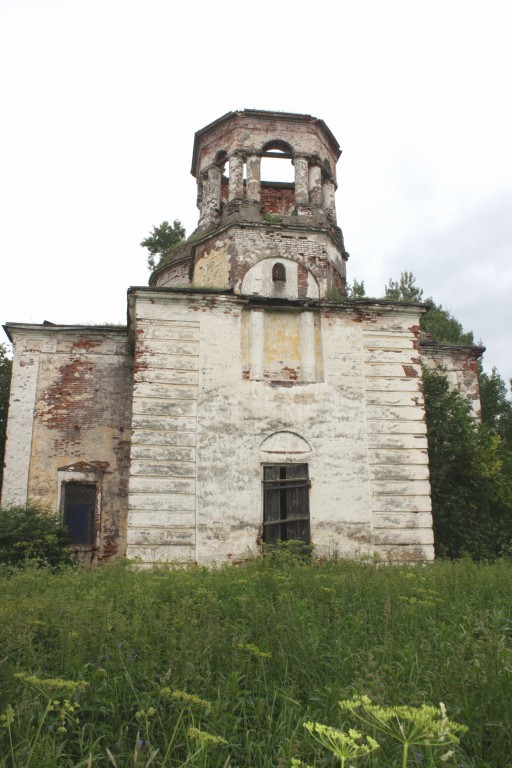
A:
247,400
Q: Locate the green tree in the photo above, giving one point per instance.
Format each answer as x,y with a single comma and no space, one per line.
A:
443,327
404,289
356,290
438,321
5,384
496,405
470,476
470,463
162,240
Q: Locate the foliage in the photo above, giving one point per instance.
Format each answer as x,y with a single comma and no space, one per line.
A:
443,327
5,383
272,218
404,289
30,534
496,405
470,465
182,660
438,321
356,290
470,476
162,240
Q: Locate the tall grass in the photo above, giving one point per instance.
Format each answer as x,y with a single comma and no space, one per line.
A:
222,667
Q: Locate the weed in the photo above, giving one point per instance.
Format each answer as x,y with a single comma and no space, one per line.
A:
131,661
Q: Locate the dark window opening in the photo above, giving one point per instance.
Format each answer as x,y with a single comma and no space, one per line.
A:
279,273
326,170
286,503
79,509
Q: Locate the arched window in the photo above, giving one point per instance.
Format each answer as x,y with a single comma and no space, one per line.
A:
276,162
221,160
278,273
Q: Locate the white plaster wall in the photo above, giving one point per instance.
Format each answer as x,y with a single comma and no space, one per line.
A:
364,424
162,485
20,421
397,439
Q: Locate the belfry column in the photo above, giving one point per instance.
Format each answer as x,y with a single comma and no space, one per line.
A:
301,181
329,188
236,177
210,203
253,178
316,196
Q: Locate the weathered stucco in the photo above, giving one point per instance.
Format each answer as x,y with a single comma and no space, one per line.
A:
361,420
70,411
460,366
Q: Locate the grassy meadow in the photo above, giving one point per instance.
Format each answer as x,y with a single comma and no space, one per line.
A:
223,667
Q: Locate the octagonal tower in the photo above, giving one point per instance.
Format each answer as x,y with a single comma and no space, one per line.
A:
260,237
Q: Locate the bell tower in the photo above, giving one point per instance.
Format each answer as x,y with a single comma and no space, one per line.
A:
258,237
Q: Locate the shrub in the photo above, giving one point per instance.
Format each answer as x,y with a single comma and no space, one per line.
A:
31,534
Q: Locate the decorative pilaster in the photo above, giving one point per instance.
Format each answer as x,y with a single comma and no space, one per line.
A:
307,346
257,344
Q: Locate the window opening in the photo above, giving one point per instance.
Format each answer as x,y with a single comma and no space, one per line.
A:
286,503
276,165
326,170
279,273
221,161
79,512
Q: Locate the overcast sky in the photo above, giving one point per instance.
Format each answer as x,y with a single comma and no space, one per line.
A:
100,100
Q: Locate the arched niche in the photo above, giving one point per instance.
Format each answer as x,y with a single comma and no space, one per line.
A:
299,282
285,443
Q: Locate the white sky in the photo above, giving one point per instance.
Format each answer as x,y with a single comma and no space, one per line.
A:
100,100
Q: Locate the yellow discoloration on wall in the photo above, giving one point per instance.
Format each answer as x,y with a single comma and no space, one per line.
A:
282,339
212,271
319,358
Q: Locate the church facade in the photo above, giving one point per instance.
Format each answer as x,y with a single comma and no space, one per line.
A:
247,401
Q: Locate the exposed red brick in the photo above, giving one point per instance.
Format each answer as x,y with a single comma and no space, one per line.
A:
86,344
361,317
278,200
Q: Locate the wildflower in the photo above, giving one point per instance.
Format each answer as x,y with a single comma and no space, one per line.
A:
206,739
186,698
145,714
411,726
7,719
346,746
254,650
51,683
